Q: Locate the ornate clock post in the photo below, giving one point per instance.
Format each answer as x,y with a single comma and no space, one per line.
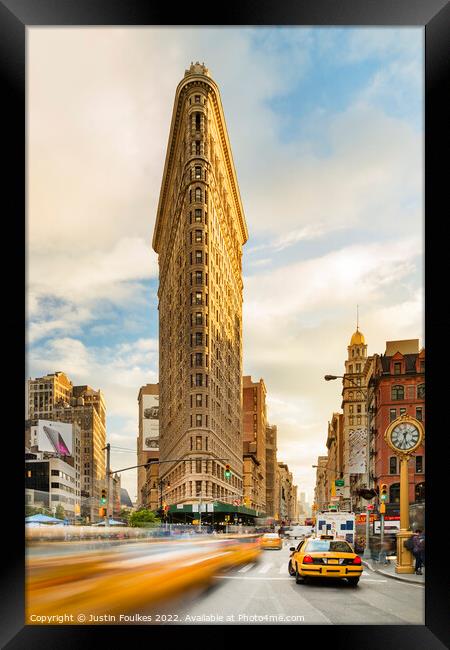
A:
404,435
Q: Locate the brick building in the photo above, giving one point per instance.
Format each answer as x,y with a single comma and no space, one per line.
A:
399,388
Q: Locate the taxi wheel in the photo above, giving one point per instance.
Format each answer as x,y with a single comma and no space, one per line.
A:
353,581
298,578
291,569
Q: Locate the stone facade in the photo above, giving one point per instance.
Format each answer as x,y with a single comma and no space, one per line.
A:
271,472
199,233
254,442
147,495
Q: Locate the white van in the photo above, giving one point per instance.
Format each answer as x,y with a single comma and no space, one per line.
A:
299,532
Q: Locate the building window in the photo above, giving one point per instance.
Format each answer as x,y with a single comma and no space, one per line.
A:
419,464
419,413
419,492
198,216
350,369
392,414
350,420
198,399
198,338
397,368
422,366
198,298
358,408
198,379
198,419
350,408
197,147
398,392
198,359
393,465
198,257
197,99
358,419
198,236
197,121
198,487
198,277
198,172
198,195
403,411
358,367
394,493
198,444
198,318
421,391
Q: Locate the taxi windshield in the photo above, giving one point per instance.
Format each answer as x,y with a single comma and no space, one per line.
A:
324,545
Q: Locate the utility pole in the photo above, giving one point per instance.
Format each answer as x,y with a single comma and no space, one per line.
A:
108,483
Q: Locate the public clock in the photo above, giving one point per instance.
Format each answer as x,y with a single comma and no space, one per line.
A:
404,435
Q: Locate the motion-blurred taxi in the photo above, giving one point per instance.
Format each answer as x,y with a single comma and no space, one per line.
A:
324,557
271,540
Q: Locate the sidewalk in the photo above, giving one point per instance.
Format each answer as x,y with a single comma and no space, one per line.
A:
389,570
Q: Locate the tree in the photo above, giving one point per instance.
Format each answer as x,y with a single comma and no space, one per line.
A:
143,519
124,514
59,512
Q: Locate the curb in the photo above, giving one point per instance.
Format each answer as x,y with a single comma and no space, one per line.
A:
394,577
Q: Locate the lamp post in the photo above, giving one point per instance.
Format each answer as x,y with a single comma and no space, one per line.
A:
366,554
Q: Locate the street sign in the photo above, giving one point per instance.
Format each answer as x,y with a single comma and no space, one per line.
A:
370,506
332,506
339,482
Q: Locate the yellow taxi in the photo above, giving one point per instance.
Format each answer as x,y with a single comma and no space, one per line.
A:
271,540
324,557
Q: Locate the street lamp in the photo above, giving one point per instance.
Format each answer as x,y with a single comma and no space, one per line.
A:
366,554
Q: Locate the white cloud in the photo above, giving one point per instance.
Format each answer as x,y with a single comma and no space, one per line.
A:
119,371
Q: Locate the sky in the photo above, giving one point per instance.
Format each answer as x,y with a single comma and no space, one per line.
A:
326,127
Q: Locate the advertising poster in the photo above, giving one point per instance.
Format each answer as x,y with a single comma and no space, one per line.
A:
150,423
357,451
55,437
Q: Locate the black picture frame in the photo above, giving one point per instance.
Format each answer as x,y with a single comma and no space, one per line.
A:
15,17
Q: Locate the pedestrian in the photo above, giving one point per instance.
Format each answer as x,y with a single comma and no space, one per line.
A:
418,550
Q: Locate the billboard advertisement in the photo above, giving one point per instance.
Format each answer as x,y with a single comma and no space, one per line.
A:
150,422
357,451
55,437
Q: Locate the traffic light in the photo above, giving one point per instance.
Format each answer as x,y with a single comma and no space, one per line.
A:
383,492
103,497
102,512
227,472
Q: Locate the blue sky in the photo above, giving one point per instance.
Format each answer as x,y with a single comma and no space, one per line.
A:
326,128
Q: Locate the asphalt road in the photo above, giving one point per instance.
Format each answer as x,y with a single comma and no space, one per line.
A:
262,592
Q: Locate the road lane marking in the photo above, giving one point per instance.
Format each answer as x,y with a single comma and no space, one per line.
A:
372,580
249,578
283,569
265,568
247,567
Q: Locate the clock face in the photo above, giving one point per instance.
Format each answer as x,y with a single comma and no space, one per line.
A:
405,436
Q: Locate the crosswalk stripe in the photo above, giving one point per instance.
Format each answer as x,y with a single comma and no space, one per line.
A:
246,568
265,568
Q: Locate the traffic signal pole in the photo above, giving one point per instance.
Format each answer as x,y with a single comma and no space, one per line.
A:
108,483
